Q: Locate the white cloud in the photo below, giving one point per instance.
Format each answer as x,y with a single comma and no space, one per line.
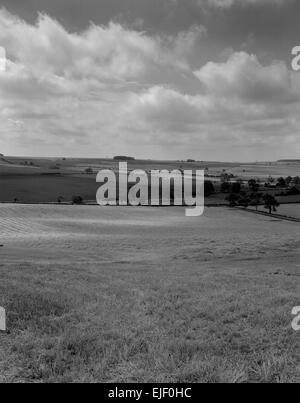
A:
243,76
71,83
110,89
104,52
245,105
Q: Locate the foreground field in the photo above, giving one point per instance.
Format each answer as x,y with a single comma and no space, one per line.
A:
123,294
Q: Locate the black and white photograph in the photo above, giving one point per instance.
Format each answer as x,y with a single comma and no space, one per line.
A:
149,194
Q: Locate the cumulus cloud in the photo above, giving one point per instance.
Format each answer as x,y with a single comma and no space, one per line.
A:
245,105
108,52
243,76
111,89
62,82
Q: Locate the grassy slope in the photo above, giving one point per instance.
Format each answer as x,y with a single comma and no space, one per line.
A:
162,306
149,323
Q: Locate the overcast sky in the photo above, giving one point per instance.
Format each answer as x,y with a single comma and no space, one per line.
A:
175,79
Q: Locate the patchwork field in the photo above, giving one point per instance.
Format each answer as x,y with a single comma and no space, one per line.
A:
42,180
146,294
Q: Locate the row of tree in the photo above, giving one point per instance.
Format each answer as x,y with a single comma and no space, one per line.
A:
255,199
254,184
284,182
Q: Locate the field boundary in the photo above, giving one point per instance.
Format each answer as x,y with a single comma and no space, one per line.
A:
279,216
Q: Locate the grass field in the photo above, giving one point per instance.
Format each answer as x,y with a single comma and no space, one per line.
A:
138,295
292,210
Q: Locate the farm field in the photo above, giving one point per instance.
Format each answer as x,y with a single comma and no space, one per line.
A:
289,210
145,294
292,210
48,180
46,189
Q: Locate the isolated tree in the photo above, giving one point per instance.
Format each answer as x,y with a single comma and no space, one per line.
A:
253,185
77,200
244,201
281,182
256,199
271,203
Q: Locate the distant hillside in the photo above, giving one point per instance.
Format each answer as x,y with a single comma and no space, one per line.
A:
123,158
4,160
289,161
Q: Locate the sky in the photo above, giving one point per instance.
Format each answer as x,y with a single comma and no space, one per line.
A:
154,79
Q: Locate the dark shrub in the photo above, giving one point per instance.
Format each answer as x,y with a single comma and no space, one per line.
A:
293,191
225,187
77,200
209,188
236,188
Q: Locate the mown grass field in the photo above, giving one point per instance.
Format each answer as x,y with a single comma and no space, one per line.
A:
120,294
